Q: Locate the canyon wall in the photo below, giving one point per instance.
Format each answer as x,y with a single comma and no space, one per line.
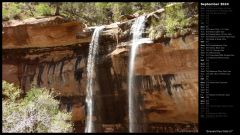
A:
52,52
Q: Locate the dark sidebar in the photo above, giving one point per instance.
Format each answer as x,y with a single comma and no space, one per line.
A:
218,67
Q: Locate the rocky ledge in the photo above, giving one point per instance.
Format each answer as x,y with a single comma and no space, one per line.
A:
42,32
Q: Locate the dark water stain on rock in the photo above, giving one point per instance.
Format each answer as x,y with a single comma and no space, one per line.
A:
39,78
78,71
167,79
61,69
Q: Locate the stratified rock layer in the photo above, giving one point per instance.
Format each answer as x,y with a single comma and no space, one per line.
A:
44,32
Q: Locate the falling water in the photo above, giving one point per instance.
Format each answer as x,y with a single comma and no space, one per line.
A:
137,30
93,48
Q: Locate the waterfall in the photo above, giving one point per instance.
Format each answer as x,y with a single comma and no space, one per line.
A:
93,48
137,30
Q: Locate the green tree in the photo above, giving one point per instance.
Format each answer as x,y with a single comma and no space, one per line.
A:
11,10
44,9
91,13
176,17
38,111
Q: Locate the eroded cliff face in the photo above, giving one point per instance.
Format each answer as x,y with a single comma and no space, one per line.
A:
44,32
167,77
53,53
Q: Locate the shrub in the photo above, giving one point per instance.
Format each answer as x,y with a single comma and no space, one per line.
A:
175,17
43,9
37,112
173,22
12,11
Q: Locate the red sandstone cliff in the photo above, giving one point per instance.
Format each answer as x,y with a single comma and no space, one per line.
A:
52,52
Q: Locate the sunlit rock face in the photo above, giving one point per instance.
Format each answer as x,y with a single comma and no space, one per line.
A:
53,54
167,77
43,32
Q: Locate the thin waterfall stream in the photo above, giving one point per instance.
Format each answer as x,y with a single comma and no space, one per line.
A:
137,29
93,49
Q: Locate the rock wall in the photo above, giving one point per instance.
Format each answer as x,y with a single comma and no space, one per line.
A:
54,55
43,32
167,78
60,68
